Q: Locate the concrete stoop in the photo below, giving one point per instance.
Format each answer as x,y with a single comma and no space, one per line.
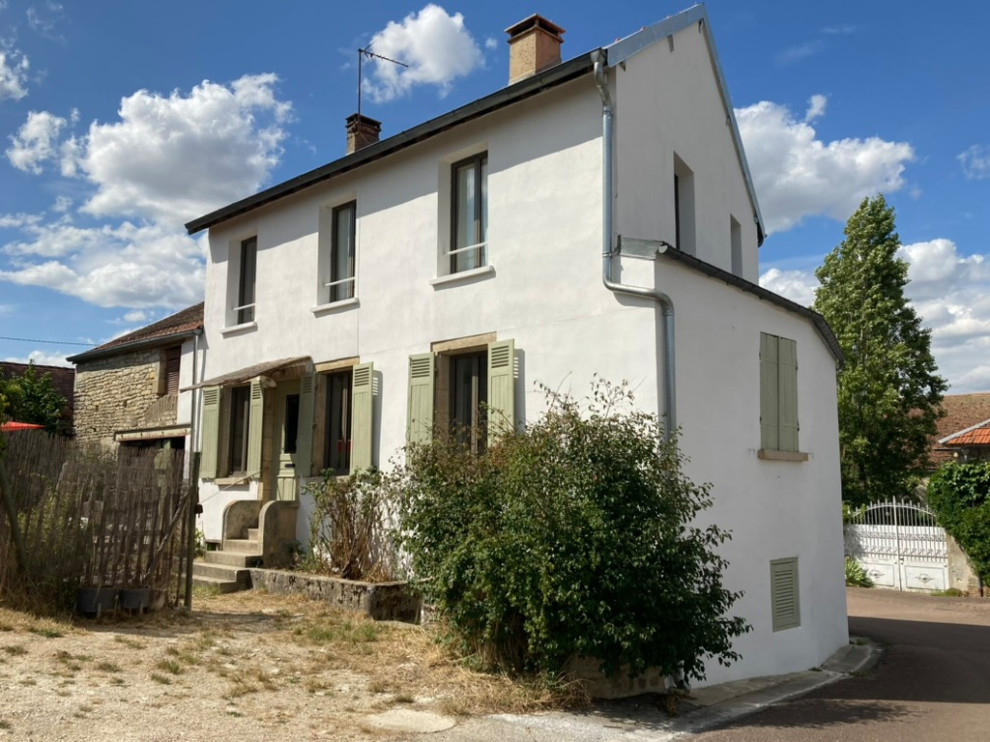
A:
229,570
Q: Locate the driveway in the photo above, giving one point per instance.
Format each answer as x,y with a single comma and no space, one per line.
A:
932,682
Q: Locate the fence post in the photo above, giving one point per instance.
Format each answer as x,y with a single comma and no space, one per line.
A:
15,529
191,529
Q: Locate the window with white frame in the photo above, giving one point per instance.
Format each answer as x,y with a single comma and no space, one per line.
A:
247,273
469,213
340,274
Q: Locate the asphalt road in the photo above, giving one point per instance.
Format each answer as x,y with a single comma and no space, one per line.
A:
932,682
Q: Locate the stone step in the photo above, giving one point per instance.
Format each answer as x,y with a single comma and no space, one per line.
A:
233,558
222,572
242,545
221,586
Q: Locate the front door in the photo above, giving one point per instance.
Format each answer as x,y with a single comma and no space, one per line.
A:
286,440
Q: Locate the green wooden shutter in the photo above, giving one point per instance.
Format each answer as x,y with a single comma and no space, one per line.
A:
420,417
787,404
785,596
362,416
501,387
304,440
210,433
769,396
255,419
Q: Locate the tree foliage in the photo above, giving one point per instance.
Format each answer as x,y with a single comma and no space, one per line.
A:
31,398
960,496
889,390
574,538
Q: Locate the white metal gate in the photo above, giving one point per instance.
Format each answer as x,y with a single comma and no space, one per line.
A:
900,546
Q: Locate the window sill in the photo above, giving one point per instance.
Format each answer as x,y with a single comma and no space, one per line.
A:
770,455
232,481
239,329
453,279
335,306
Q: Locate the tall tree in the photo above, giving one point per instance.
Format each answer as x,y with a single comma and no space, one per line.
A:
889,390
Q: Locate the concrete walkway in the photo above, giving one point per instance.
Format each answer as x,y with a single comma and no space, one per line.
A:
642,721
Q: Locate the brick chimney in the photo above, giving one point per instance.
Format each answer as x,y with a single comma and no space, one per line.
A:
361,131
534,45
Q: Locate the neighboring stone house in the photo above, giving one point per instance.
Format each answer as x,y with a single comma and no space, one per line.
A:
63,379
964,431
548,232
127,391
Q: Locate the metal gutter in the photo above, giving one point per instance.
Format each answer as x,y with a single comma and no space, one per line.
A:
664,301
97,353
519,91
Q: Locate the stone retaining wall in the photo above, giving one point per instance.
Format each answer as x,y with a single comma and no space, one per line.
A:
382,601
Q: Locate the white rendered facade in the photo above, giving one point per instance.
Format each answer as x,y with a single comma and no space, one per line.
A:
541,287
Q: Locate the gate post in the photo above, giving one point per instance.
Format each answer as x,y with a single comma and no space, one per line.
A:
897,545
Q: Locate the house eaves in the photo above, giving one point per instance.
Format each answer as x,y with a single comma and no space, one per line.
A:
155,342
625,48
949,438
756,290
519,91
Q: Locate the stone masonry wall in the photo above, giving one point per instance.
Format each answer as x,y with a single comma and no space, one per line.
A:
114,393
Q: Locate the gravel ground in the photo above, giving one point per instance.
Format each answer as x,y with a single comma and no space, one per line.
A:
246,666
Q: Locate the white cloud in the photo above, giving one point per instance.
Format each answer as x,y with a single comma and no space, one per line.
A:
799,52
436,46
798,286
150,265
797,175
35,142
42,358
976,162
816,108
43,17
176,158
951,294
165,161
491,44
137,315
13,75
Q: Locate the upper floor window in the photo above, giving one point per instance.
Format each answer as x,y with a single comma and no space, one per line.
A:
684,234
469,213
248,272
342,250
168,375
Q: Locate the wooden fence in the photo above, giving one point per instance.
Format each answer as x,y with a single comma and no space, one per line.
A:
89,518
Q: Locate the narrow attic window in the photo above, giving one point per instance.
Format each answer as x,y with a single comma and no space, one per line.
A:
247,275
684,235
469,214
735,241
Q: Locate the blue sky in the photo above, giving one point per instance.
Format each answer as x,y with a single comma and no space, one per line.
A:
120,121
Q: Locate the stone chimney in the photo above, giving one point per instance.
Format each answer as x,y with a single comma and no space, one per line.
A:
534,45
361,131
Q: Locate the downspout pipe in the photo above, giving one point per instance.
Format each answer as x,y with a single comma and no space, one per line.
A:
664,301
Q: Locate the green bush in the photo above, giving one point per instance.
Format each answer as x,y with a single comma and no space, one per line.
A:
960,496
572,538
855,574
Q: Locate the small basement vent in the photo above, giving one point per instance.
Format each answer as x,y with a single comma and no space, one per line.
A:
785,597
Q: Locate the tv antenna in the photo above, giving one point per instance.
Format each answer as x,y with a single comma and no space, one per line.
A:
362,53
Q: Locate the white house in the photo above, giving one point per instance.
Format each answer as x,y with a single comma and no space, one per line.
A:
561,227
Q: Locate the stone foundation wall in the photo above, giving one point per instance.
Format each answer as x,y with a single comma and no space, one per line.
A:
114,394
382,601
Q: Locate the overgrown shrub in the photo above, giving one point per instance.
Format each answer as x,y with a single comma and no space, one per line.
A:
573,538
960,496
855,574
347,533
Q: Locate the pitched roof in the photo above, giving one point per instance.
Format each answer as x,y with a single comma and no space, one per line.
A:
963,413
974,437
583,64
180,325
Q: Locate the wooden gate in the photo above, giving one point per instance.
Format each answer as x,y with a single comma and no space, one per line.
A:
900,546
